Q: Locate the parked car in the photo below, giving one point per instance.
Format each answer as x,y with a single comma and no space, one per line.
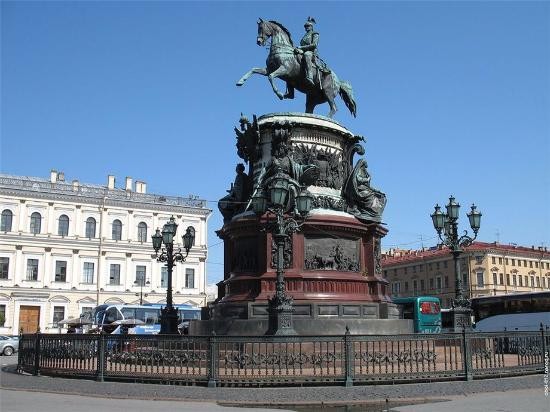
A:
9,344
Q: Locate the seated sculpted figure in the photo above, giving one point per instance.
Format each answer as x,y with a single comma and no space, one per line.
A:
235,201
364,202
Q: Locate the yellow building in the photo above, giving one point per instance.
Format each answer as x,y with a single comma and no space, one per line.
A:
486,269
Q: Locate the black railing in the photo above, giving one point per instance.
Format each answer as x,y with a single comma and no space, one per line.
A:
284,360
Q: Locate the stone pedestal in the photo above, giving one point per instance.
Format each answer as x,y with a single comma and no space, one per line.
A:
332,265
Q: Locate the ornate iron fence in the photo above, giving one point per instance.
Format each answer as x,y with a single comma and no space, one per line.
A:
284,360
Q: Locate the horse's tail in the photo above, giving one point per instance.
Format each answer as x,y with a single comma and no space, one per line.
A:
346,93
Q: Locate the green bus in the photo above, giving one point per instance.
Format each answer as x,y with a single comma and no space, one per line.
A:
425,311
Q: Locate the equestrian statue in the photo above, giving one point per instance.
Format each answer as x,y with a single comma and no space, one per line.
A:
300,67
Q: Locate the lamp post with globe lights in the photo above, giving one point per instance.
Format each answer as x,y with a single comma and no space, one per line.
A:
169,314
446,225
288,218
141,282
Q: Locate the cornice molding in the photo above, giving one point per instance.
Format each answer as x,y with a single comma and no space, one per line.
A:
98,201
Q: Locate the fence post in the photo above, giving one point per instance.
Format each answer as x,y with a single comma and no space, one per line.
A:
212,360
37,353
467,355
19,352
348,351
101,356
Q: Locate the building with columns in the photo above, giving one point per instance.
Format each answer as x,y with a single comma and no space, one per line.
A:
487,269
64,247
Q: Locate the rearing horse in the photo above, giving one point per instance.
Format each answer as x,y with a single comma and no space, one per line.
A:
282,62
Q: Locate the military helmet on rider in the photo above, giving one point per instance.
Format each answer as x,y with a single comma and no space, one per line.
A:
309,22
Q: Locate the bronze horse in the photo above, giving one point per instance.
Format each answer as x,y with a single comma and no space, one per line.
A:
282,62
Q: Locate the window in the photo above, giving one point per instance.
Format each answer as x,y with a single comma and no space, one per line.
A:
493,260
446,282
406,286
415,286
32,269
405,271
5,221
479,260
537,265
414,269
90,227
190,278
58,314
163,277
422,268
480,283
88,273
494,278
515,280
142,232
60,271
438,283
437,265
532,281
530,263
114,274
2,315
445,264
501,278
431,284
36,223
538,282
86,310
63,229
396,288
526,280
520,280
513,262
140,274
4,267
500,261
422,285
508,279
117,229
519,262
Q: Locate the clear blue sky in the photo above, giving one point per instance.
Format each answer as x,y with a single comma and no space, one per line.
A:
452,97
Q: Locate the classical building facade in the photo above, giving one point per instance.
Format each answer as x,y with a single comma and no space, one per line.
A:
65,247
486,268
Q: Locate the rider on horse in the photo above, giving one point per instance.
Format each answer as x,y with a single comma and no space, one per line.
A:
308,47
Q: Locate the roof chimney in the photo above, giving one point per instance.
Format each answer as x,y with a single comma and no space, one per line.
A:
128,184
61,177
110,182
53,176
76,185
141,187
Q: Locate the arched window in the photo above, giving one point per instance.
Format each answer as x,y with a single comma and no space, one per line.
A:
117,229
63,228
36,222
90,227
7,217
142,232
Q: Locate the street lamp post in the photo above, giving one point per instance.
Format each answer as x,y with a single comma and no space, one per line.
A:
141,282
283,226
446,225
169,315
